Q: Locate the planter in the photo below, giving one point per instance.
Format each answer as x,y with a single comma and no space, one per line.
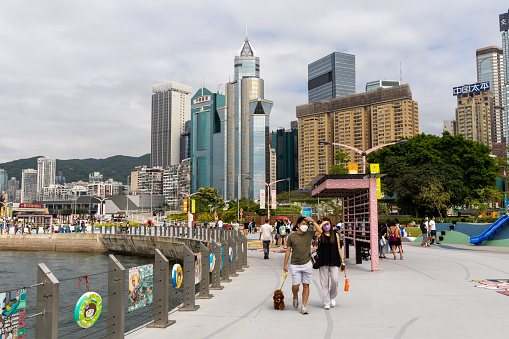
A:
441,238
442,232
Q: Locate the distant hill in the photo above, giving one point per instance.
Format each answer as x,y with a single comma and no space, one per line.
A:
117,167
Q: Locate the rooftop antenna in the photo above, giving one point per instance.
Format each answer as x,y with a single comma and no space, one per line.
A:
246,29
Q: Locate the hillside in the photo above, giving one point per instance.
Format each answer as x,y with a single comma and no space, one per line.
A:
117,167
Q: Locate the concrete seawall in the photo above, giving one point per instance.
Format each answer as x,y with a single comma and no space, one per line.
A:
115,243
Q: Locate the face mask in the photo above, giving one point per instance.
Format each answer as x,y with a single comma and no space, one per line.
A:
326,228
304,228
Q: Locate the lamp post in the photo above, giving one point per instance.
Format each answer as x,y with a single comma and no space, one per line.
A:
4,214
238,193
102,200
127,197
188,196
363,153
268,189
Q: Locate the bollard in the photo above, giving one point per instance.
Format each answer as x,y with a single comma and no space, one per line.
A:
233,266
189,232
46,325
116,299
216,279
225,272
205,269
244,248
240,253
161,292
189,303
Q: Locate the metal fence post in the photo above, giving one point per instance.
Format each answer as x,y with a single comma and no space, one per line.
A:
205,269
161,291
225,272
240,253
189,303
244,249
46,325
216,279
116,298
233,265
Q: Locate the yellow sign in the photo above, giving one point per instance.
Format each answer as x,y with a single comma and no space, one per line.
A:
375,169
193,206
2,213
185,205
7,213
353,168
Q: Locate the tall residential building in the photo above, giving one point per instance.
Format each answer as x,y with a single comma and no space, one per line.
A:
12,188
247,127
504,28
374,85
272,175
28,185
207,141
450,126
473,114
46,170
185,142
332,76
171,108
176,179
490,67
362,121
149,180
286,144
3,180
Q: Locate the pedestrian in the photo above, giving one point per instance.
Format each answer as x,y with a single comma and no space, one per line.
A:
433,230
220,223
330,259
276,232
299,249
266,237
383,242
401,230
282,234
254,226
247,227
424,231
395,239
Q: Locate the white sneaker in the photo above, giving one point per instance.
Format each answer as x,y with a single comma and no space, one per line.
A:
304,310
327,307
333,302
296,303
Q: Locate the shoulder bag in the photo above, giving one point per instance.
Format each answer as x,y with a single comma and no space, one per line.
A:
314,260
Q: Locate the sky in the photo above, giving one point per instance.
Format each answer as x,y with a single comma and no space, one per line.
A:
76,76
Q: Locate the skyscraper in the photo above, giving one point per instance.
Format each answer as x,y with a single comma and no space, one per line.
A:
171,108
247,127
46,170
332,76
504,28
490,68
207,140
3,180
12,188
286,143
28,185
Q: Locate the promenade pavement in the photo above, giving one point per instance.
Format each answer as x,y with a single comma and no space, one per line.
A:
428,295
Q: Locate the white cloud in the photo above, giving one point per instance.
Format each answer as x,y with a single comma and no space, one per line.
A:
76,75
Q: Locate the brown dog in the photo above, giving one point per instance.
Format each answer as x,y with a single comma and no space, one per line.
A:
279,300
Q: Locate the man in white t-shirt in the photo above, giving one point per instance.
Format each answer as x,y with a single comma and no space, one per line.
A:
433,231
266,237
220,223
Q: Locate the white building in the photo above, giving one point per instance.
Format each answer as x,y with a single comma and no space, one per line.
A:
272,165
46,170
171,108
176,179
450,126
149,180
28,185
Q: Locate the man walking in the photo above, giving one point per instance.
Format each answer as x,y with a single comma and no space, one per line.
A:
266,237
424,231
433,230
299,247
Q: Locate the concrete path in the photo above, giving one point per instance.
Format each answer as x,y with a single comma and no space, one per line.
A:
428,295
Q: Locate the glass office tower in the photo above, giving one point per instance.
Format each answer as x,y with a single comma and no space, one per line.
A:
504,28
332,76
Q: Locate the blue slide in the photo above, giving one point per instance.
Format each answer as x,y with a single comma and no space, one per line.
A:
489,233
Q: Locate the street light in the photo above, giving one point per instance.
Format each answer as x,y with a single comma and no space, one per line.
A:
268,189
238,193
363,153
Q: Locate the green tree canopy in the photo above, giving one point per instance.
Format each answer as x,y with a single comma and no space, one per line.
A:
341,159
460,166
207,196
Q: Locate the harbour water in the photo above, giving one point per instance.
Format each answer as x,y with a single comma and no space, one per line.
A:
19,269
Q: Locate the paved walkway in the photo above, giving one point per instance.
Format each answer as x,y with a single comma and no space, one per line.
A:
428,295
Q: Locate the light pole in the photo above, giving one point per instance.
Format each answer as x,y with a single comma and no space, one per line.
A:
363,153
4,214
102,200
238,193
268,189
189,206
127,198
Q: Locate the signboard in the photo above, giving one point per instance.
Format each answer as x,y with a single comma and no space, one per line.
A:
12,310
140,287
31,206
306,212
262,199
2,212
473,88
353,168
504,22
193,206
197,268
375,168
273,199
185,205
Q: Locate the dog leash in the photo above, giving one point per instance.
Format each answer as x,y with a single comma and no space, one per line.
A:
284,279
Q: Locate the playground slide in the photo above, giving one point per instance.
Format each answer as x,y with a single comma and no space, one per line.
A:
489,233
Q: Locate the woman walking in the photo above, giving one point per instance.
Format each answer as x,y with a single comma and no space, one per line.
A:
395,239
330,259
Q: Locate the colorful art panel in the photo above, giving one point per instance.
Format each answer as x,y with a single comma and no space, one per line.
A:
12,317
197,268
499,285
140,293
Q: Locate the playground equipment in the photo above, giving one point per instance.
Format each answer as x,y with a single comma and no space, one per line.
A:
490,232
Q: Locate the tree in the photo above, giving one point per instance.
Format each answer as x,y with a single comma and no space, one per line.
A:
435,197
207,196
461,166
206,217
485,195
341,159
229,216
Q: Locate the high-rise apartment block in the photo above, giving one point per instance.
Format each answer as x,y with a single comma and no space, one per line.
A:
12,190
28,185
362,121
3,180
177,180
147,180
332,76
46,170
490,68
171,108
286,144
247,127
208,140
504,28
450,126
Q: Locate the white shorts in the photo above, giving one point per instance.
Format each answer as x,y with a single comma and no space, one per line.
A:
302,274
